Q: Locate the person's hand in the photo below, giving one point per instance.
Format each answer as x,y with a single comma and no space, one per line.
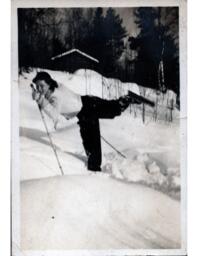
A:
36,95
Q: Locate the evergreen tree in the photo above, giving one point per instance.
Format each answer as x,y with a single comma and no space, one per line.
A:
107,38
157,61
114,35
170,22
39,37
86,42
148,46
98,36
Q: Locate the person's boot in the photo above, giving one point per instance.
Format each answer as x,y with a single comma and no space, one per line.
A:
93,163
94,168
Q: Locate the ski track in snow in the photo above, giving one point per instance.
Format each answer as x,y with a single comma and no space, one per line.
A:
98,211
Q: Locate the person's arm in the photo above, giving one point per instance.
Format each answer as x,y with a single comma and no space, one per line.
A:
51,107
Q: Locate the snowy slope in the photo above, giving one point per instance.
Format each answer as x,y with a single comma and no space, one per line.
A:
152,159
95,212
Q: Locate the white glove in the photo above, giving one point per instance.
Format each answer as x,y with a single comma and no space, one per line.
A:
35,95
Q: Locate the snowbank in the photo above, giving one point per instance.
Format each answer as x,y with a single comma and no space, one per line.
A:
95,212
152,154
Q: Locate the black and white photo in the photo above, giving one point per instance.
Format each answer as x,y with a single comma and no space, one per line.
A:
99,107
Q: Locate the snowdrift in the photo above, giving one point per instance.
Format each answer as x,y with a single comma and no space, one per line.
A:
95,212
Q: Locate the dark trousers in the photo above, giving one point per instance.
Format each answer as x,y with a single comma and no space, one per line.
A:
92,110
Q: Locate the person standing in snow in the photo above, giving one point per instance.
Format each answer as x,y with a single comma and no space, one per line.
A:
56,99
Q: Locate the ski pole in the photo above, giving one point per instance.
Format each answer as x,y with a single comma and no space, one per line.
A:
51,142
112,147
50,139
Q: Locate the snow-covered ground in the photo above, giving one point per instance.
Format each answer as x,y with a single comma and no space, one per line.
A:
119,209
94,212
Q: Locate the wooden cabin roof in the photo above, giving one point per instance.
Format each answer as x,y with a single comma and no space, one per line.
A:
73,51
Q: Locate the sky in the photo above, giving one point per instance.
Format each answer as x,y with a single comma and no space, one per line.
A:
128,20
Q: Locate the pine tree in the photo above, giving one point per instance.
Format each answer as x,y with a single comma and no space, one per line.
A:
98,37
39,36
157,61
170,22
114,33
86,42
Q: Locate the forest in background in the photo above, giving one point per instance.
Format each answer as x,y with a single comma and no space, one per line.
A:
150,59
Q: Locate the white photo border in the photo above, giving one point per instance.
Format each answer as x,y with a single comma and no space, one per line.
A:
15,161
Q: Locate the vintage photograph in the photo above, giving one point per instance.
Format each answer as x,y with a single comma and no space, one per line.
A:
99,116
